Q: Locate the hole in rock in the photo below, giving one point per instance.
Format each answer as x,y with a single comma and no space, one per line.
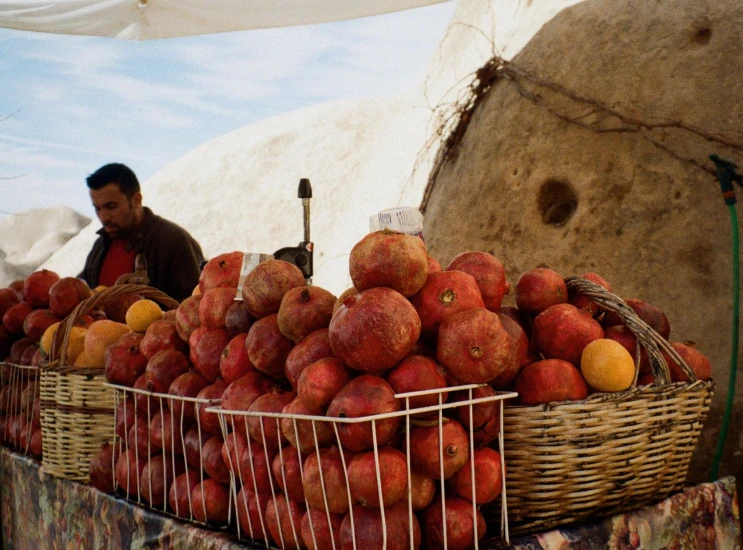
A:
557,202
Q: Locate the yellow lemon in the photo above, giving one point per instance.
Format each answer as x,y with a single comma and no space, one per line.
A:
99,288
607,366
82,360
141,314
48,338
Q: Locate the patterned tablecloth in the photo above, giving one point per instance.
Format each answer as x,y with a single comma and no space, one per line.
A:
40,511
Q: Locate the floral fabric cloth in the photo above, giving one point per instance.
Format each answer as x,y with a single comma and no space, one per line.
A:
40,511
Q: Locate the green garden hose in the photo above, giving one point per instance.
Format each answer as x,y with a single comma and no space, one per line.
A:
727,176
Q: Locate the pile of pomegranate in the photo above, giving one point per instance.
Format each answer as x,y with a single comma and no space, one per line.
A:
27,308
278,351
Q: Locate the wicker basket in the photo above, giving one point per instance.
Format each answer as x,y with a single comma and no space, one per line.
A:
612,452
76,408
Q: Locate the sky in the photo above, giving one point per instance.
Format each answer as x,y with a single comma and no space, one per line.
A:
70,104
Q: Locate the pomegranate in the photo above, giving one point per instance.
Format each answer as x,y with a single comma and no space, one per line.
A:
209,397
425,449
301,433
519,353
652,315
342,298
267,430
489,274
123,361
8,298
284,518
157,477
624,336
255,466
473,346
321,381
367,526
66,294
374,330
316,345
422,490
538,289
389,259
221,271
328,464
433,265
213,463
550,380
14,317
179,495
234,362
317,533
304,310
364,396
488,477
267,348
393,477
251,513
238,319
417,373
461,529
188,384
193,441
37,322
265,286
115,307
699,364
36,287
187,317
161,335
214,305
287,471
563,331
211,502
445,293
207,354
102,468
128,471
583,302
163,368
166,432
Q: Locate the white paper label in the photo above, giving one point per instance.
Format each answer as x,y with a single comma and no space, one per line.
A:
250,262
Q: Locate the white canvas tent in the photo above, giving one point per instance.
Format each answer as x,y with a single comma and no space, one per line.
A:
151,19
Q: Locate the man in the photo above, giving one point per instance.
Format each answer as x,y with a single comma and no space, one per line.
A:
131,231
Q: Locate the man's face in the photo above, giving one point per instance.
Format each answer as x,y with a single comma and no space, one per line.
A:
117,213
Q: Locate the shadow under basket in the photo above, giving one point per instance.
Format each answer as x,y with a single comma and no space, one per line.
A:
612,452
77,410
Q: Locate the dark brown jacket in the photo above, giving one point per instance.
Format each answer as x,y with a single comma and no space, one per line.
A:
173,256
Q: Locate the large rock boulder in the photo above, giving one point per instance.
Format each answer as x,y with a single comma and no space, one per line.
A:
589,152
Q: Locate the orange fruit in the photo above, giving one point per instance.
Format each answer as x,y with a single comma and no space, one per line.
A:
607,366
75,344
142,313
48,337
99,336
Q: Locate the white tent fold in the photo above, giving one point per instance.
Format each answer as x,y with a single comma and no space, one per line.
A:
152,19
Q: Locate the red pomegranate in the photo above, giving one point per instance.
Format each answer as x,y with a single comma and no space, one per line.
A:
265,286
540,288
367,526
461,528
36,287
417,373
187,317
489,274
214,305
425,449
221,271
550,380
267,348
473,346
389,259
304,310
316,345
374,330
563,331
365,396
66,294
445,293
583,302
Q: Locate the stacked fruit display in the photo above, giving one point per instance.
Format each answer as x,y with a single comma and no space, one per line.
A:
28,308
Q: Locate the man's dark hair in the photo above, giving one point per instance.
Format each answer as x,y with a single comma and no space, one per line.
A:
120,174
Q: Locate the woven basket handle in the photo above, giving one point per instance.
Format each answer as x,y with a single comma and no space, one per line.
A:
648,338
58,349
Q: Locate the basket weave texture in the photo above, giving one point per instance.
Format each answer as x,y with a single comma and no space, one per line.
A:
77,411
612,452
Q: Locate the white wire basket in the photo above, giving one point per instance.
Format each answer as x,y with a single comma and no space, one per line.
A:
179,422
19,406
281,500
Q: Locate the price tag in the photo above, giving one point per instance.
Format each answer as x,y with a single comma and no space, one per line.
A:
250,262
